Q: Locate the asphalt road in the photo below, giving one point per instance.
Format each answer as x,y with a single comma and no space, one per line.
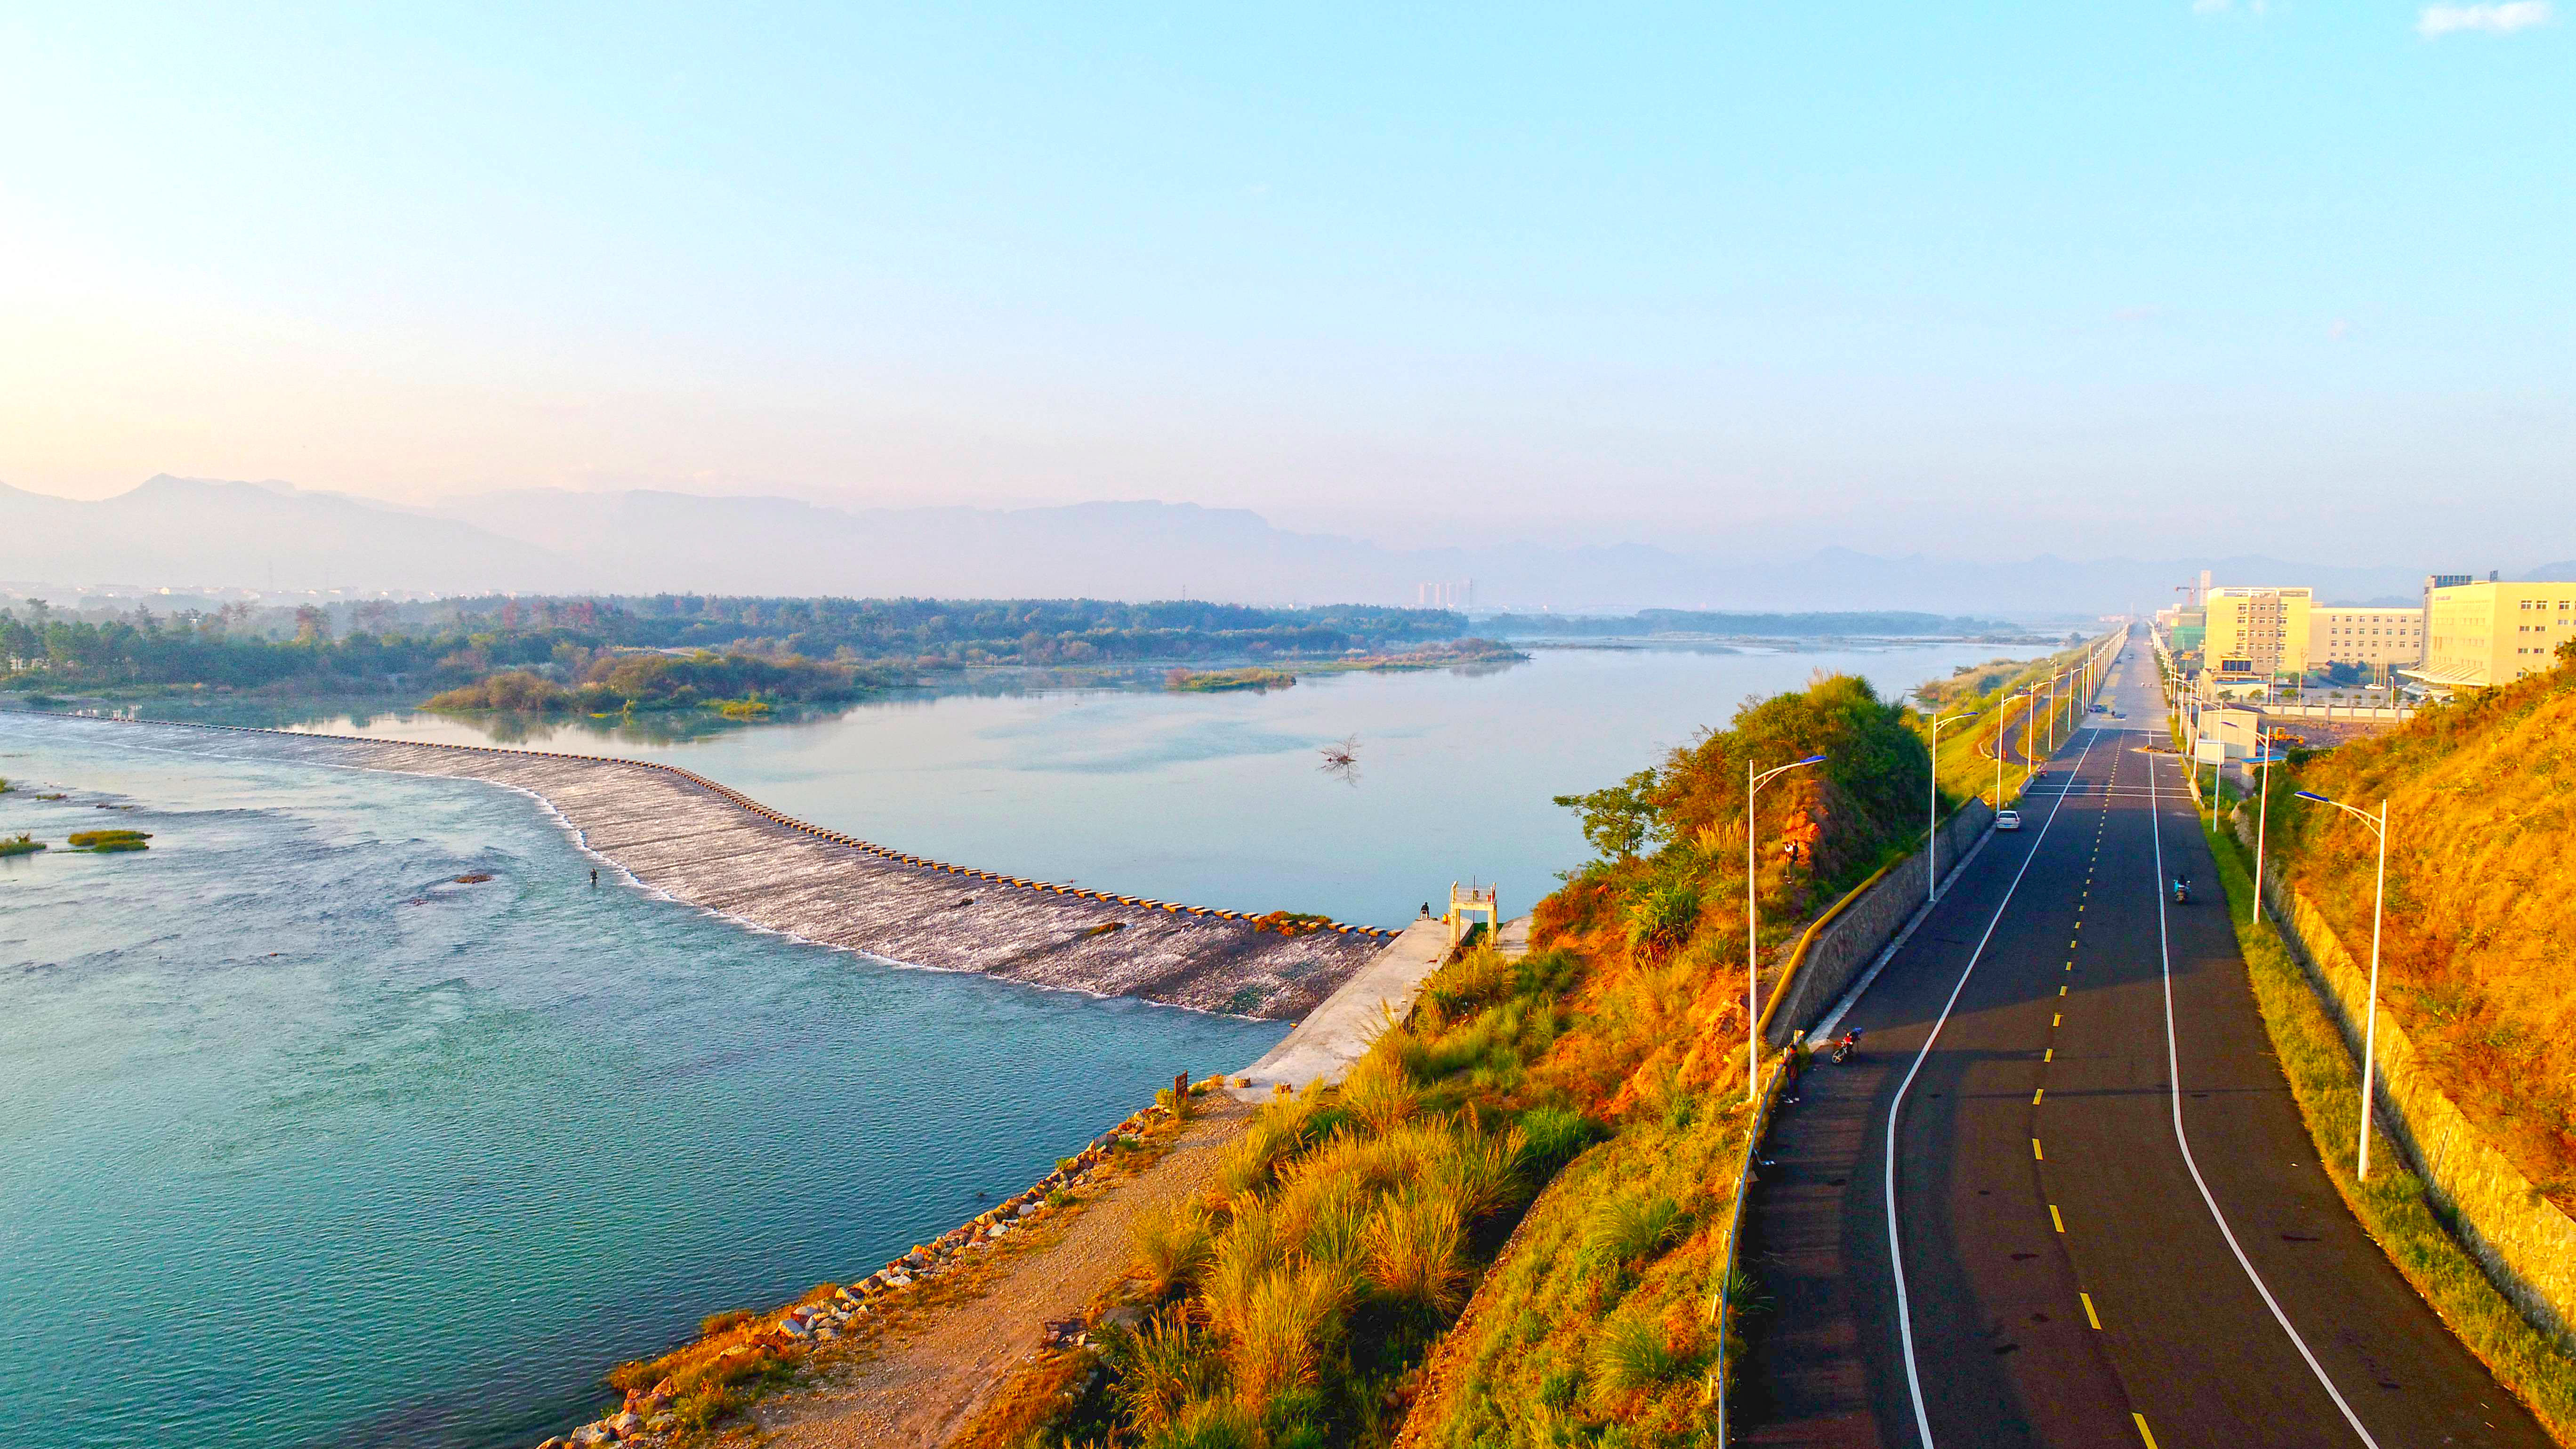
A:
2089,1255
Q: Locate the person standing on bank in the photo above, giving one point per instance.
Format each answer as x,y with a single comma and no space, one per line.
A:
1797,1062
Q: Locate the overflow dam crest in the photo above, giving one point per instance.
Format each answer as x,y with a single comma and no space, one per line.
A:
704,844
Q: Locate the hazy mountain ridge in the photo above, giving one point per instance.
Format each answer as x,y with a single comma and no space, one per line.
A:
174,532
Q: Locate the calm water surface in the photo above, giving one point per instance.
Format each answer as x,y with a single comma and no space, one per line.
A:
301,1141
1219,800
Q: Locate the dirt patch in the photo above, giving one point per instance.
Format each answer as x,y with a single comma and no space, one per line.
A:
922,1378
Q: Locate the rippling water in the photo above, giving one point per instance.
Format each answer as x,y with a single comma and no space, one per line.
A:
301,1141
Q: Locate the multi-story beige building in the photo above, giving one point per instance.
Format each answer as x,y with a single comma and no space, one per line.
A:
2377,639
2488,633
2257,633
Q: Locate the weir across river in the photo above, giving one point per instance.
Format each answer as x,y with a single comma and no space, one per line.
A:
705,845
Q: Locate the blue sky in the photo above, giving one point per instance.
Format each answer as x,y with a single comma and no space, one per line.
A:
2093,279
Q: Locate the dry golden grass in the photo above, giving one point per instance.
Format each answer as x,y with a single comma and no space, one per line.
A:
2481,901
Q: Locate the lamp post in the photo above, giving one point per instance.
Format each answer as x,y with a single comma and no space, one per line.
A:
2029,764
2262,819
2002,727
2370,1029
1753,783
1932,813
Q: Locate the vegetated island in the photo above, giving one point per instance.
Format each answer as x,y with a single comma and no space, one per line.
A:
24,843
1717,624
738,658
109,842
1453,654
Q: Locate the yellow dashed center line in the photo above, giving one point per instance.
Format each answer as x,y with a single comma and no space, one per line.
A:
2089,1315
2034,1095
2054,1219
2035,1153
2057,1018
2143,1431
2049,1055
2062,990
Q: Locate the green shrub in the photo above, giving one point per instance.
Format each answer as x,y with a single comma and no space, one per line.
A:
1626,1230
1660,917
1550,1137
22,844
1635,1354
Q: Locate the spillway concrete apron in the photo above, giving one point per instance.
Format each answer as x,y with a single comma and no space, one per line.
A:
1328,1043
2098,1218
700,843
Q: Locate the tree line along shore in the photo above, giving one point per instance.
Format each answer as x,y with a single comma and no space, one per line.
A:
746,657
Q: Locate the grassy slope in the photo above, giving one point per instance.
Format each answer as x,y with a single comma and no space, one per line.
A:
2482,811
2392,1206
1298,1304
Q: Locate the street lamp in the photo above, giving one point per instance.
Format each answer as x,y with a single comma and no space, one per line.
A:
2002,727
2370,1030
1932,813
2262,818
1753,783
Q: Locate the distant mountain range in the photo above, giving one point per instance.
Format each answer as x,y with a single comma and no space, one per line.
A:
178,532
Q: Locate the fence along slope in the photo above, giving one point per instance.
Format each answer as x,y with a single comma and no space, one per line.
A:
706,845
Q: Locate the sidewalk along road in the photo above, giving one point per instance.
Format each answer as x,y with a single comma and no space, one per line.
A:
2097,1218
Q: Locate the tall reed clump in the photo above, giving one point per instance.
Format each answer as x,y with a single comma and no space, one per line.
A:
1340,1233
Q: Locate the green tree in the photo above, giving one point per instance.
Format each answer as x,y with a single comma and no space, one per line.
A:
1618,821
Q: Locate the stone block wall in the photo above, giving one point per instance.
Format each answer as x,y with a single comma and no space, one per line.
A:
1845,946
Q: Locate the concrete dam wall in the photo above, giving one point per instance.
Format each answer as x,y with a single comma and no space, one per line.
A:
703,844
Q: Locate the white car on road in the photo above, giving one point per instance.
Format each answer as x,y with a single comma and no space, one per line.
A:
2008,820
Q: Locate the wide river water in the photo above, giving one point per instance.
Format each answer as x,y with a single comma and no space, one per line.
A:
301,1141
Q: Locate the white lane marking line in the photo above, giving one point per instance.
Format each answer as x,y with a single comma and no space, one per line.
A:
1896,1117
2173,1071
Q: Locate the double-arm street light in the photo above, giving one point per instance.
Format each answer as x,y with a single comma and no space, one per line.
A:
2002,727
2262,819
1932,813
1752,930
2370,1028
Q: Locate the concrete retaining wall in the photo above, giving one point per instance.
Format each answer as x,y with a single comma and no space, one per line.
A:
2526,1245
1843,946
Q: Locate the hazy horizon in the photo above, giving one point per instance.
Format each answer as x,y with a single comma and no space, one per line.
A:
2185,278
